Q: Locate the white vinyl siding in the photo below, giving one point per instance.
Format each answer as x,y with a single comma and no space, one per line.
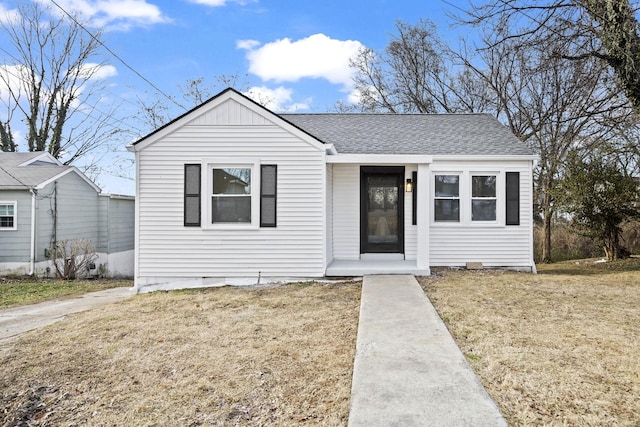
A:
346,211
329,216
410,231
295,247
493,243
345,214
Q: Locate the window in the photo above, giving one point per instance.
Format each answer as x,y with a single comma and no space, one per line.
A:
228,196
231,198
483,198
8,215
447,198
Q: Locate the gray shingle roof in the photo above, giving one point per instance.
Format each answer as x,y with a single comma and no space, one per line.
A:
426,134
16,177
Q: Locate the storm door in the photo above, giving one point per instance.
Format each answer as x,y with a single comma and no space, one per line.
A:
381,209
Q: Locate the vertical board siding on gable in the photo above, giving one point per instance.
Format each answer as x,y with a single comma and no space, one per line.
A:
15,244
495,246
294,247
230,114
346,211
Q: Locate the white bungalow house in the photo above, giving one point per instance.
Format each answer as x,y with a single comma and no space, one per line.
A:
231,192
43,202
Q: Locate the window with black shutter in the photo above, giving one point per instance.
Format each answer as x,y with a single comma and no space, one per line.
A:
268,195
513,198
192,190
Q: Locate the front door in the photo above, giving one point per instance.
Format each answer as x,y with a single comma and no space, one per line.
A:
382,209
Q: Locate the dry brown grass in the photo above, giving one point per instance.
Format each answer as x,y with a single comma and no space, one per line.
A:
225,356
559,348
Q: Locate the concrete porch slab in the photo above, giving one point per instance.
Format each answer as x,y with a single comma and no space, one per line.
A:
340,268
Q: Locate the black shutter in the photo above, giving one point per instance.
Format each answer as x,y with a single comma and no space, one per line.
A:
192,190
268,195
513,198
414,198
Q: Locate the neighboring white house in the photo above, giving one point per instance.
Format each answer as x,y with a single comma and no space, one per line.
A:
43,202
231,192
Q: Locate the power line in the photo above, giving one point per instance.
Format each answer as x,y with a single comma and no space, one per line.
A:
117,57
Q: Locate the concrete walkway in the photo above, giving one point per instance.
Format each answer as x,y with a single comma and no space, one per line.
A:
15,321
408,371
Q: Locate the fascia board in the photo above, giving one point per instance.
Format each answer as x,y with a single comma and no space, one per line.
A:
67,171
214,103
379,159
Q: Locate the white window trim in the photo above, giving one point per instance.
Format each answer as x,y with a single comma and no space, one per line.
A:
465,198
459,198
500,195
15,215
207,188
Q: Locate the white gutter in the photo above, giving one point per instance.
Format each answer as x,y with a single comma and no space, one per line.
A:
32,260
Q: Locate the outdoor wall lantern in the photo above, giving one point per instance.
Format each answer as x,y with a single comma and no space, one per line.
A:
409,185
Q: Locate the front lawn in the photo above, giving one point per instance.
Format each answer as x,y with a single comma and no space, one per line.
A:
222,356
22,291
558,348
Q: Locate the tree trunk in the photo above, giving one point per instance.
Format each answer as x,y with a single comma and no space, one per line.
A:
612,248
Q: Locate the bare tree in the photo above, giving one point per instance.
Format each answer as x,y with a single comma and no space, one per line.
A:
604,29
53,79
157,110
555,104
550,101
415,74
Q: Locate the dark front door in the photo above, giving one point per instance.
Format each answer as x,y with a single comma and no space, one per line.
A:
381,209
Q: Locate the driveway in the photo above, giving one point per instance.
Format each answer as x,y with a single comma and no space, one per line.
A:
15,321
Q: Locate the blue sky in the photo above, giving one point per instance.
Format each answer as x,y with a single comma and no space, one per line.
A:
293,53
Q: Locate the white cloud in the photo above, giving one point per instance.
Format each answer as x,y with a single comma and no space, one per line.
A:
354,97
93,71
317,56
214,3
247,44
218,3
7,15
10,79
277,100
114,14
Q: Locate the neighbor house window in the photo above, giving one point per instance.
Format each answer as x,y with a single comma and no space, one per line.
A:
231,198
447,198
8,215
483,198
